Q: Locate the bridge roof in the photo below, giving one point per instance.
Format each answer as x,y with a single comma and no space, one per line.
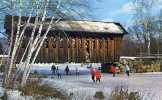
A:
75,25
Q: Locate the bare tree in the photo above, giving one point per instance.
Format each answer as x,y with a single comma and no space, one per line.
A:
143,22
41,9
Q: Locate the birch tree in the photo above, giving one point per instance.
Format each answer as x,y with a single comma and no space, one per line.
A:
40,9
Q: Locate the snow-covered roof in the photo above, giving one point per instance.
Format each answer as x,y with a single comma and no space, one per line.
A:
74,25
90,26
3,56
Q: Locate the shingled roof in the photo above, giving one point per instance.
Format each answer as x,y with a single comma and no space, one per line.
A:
80,26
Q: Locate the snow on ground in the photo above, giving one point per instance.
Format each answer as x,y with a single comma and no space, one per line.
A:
148,85
45,68
2,90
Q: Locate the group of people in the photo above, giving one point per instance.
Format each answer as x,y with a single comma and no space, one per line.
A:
56,71
95,75
115,69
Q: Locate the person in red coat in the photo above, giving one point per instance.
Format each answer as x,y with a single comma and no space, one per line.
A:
113,70
98,75
93,74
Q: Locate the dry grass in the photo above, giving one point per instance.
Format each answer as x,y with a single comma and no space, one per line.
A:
140,67
99,95
34,89
119,93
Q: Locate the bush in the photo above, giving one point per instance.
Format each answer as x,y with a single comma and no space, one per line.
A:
141,67
4,97
145,65
2,68
36,74
34,89
99,95
119,93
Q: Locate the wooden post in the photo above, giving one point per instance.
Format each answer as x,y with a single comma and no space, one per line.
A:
107,49
54,49
57,49
50,49
90,49
97,50
83,49
79,50
112,49
65,46
76,49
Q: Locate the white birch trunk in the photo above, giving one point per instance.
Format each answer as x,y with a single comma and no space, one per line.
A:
16,43
30,49
32,46
39,47
9,53
14,50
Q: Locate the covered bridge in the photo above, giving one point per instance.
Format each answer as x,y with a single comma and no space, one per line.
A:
77,41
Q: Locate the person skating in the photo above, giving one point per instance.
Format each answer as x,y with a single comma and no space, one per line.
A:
77,71
113,70
67,70
127,69
98,76
58,72
92,74
53,69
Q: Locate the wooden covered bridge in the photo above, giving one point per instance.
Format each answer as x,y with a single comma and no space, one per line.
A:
78,41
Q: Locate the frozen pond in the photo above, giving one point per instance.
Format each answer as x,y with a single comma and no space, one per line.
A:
149,85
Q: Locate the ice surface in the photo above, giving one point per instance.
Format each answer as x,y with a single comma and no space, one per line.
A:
148,85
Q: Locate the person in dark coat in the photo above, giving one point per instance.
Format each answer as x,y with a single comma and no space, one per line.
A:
53,69
67,70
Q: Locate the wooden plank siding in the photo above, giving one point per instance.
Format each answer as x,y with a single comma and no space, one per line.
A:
75,49
100,41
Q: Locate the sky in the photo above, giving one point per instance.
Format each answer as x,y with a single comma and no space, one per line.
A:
113,10
118,10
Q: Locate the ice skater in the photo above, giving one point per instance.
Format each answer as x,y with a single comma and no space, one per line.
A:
58,72
127,69
93,74
67,70
98,76
113,70
53,69
77,71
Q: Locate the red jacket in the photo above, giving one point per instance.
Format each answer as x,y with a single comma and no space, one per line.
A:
98,74
113,69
